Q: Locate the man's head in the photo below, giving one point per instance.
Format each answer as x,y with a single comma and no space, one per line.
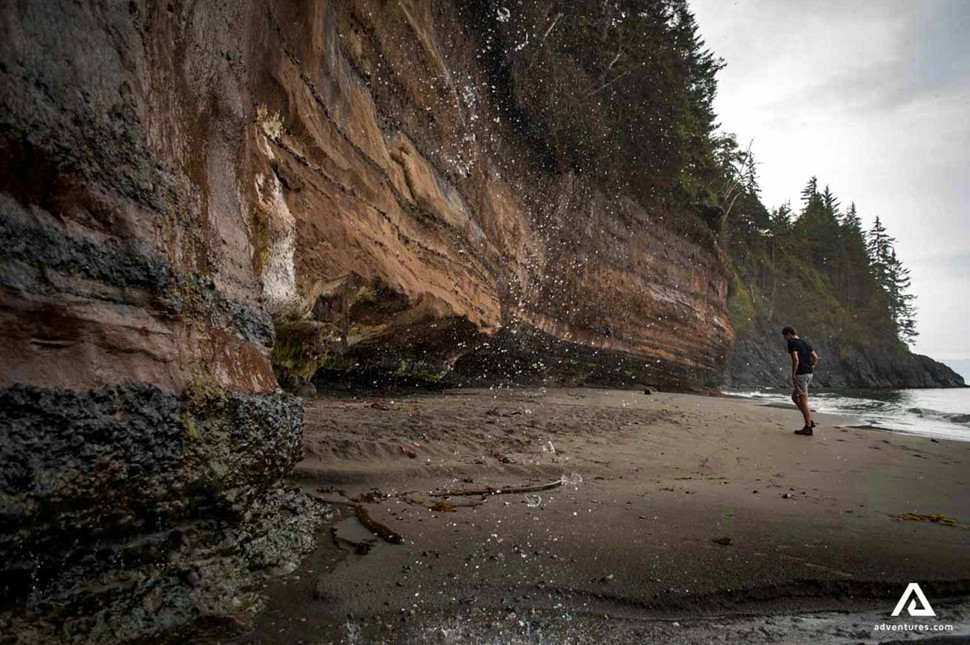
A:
789,332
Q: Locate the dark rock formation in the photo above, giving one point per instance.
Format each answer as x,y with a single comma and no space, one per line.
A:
175,176
103,465
189,190
761,361
137,399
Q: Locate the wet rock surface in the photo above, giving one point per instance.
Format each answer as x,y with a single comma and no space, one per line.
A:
84,470
143,436
128,510
448,252
146,587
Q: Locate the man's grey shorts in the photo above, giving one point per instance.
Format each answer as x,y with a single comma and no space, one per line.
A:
801,383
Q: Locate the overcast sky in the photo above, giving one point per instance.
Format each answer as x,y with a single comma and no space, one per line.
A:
873,97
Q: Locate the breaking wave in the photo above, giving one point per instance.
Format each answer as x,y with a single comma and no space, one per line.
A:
942,414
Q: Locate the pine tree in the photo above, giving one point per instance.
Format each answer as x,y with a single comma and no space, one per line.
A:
857,281
830,202
810,191
739,181
819,228
822,266
851,222
878,245
894,280
901,302
781,217
621,90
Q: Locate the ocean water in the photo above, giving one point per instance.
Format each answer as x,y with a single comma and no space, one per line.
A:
943,414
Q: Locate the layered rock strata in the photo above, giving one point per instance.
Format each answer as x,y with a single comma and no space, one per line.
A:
431,244
191,193
140,419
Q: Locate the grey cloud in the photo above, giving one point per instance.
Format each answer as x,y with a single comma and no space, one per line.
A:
940,55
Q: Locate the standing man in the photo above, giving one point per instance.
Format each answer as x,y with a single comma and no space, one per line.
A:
803,362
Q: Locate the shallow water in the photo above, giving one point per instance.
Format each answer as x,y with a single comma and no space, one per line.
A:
939,413
524,627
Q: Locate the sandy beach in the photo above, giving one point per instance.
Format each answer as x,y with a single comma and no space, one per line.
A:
683,519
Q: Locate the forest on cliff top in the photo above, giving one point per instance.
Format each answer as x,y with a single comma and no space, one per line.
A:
623,92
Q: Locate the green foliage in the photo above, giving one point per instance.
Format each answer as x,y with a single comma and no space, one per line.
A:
741,308
420,370
621,90
820,271
893,278
367,294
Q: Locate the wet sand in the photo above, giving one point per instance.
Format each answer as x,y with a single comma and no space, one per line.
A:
696,519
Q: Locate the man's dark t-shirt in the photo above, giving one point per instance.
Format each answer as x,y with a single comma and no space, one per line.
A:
804,355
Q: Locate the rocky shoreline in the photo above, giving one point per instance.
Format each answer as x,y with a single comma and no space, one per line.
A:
760,361
128,511
201,201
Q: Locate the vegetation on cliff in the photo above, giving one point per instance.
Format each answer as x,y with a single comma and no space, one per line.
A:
817,266
844,287
622,91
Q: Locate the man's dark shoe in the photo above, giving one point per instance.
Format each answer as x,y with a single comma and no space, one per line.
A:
805,432
813,423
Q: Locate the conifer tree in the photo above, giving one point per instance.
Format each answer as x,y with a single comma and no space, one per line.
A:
781,217
901,301
830,202
878,245
894,280
822,265
856,283
810,191
819,227
851,222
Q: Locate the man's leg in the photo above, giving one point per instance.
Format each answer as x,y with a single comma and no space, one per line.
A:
796,399
806,412
800,396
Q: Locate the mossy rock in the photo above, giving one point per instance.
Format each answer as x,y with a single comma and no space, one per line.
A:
300,349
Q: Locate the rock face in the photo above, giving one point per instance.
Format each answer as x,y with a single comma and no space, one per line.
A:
200,199
430,246
175,176
137,397
761,361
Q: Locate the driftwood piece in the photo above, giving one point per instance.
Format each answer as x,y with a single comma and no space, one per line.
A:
369,522
440,505
935,518
511,490
376,527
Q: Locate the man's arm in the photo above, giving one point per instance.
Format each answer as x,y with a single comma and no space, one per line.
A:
815,359
794,366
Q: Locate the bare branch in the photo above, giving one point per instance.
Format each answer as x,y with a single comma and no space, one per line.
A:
615,58
606,85
552,26
511,490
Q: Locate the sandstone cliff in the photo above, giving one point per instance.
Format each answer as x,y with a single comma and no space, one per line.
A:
176,176
427,243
